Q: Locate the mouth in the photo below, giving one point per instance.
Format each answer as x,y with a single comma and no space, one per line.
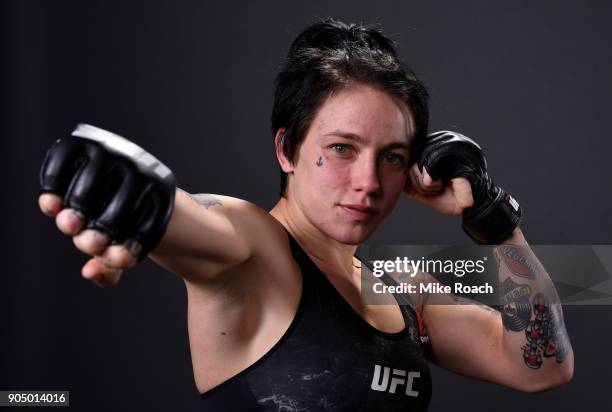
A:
359,212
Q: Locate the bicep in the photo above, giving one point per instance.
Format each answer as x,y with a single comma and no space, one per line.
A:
467,338
207,235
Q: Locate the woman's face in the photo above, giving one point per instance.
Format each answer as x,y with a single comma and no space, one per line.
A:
351,166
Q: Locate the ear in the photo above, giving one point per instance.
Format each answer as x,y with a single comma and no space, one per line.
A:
285,163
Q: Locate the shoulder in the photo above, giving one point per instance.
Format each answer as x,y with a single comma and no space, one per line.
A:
271,273
265,235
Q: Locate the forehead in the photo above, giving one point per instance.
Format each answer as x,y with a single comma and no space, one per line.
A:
366,111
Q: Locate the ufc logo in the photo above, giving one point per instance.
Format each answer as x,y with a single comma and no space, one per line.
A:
398,378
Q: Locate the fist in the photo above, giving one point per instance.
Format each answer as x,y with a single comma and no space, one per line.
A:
490,214
111,196
449,198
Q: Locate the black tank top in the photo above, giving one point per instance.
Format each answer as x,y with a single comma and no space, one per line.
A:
331,359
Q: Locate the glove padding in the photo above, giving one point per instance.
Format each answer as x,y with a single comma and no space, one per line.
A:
120,188
494,214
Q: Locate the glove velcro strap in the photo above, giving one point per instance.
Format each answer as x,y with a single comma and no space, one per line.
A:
493,223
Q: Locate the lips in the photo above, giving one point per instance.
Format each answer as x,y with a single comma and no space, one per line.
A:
359,212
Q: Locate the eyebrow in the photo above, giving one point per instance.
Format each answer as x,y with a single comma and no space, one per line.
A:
355,137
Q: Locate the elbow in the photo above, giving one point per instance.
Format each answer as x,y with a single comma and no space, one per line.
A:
558,381
562,375
568,374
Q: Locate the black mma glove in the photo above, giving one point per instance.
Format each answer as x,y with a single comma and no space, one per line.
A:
495,213
120,188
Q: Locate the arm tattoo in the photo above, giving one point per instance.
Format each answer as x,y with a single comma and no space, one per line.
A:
542,322
488,308
207,200
546,334
531,306
457,300
515,307
516,261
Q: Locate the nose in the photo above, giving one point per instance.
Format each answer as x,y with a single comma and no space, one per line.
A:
365,176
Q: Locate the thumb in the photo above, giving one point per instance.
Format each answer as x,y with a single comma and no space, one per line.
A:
100,273
462,190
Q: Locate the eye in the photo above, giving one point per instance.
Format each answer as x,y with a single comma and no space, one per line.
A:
340,148
394,158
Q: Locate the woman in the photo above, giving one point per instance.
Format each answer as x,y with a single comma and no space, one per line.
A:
276,316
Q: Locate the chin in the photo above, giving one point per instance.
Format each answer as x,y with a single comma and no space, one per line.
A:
354,235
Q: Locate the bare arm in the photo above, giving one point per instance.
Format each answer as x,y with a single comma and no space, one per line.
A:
526,346
207,235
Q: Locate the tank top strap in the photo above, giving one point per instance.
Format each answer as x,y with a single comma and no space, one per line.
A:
408,309
310,271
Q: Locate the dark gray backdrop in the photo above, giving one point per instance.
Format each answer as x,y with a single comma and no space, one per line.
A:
192,82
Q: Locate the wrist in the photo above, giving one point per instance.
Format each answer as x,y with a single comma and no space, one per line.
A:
493,220
516,238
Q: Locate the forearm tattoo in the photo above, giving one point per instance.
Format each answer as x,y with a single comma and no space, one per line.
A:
540,316
207,200
546,334
514,305
513,258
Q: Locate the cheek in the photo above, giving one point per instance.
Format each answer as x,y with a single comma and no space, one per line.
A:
332,173
394,183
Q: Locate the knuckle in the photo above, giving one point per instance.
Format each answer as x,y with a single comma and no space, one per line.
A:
111,278
89,242
62,224
127,260
119,257
49,204
83,245
69,221
99,240
134,248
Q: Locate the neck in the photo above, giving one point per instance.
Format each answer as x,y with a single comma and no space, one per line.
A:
330,256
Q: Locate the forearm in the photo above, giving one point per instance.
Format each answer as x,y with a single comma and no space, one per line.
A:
535,339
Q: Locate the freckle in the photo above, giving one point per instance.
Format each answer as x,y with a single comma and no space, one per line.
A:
223,333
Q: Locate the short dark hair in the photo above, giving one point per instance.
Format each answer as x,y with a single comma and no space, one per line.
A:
328,56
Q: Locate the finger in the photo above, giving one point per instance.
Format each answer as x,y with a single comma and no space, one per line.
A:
96,271
91,242
50,204
91,183
462,191
416,181
429,182
118,217
123,255
70,221
154,217
62,161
